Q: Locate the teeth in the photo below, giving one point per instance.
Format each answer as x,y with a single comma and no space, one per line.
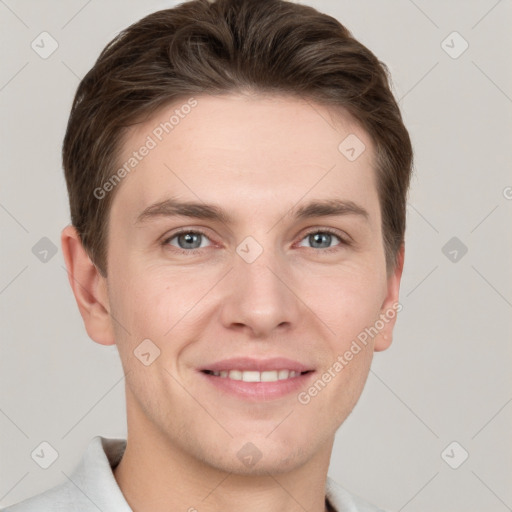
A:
236,374
283,374
255,376
272,376
250,376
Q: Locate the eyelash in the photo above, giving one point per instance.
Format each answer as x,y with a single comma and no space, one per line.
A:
193,252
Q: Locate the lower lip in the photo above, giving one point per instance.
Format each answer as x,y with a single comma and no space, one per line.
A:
259,390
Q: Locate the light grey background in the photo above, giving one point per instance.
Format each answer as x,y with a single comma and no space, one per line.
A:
447,375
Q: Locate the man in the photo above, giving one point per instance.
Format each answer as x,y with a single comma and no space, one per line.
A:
237,173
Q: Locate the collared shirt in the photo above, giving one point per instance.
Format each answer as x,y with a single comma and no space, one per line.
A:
92,487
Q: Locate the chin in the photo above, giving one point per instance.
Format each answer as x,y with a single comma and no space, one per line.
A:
258,456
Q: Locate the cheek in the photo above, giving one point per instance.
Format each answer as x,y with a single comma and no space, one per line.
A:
347,304
346,301
156,303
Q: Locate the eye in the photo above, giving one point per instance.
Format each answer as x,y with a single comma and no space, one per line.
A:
187,241
190,241
322,239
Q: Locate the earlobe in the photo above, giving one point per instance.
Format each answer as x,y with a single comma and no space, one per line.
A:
391,305
89,288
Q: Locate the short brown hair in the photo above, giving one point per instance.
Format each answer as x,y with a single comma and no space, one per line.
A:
228,46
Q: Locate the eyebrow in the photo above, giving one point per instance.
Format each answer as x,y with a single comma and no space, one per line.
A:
316,208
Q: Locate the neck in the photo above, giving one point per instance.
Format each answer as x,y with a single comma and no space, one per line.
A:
157,475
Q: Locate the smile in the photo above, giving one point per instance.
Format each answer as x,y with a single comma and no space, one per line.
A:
249,378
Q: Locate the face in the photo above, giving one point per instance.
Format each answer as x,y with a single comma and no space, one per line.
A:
252,299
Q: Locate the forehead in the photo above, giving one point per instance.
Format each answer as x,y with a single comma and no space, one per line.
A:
246,148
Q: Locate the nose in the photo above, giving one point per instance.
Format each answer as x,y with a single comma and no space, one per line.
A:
259,297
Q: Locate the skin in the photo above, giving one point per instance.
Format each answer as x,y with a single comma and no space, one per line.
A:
260,158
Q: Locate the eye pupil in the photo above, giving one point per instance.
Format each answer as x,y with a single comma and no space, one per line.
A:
321,238
189,238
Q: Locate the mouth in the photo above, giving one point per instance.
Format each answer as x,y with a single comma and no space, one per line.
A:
256,380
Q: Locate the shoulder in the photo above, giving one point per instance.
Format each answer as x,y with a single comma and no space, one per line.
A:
59,498
344,501
89,488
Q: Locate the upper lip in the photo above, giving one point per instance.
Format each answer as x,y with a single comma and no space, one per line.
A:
260,365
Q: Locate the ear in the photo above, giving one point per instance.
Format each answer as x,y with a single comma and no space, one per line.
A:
390,307
89,288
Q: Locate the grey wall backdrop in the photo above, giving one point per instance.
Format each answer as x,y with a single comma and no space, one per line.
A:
432,429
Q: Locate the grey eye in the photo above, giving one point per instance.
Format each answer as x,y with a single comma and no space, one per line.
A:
188,240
